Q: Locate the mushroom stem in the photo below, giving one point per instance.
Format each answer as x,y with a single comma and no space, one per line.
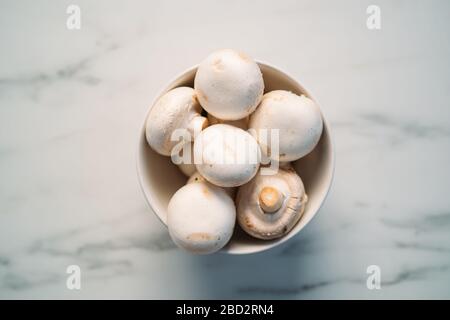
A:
270,199
197,124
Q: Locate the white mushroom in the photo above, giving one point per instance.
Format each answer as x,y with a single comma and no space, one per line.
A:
229,84
268,207
201,217
188,167
226,156
241,123
197,177
177,109
298,119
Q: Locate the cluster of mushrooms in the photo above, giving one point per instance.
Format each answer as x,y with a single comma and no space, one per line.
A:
228,95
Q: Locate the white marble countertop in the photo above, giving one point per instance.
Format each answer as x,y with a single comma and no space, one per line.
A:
72,104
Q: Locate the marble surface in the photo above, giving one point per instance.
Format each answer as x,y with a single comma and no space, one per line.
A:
72,104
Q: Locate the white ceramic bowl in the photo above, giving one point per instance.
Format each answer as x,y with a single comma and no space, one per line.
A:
160,178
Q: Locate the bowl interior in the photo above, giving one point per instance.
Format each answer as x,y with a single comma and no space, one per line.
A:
160,178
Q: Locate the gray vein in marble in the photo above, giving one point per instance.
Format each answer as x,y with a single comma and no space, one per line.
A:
93,255
415,274
394,131
13,281
400,277
361,204
295,290
413,129
421,246
76,71
155,242
69,72
4,261
100,265
423,223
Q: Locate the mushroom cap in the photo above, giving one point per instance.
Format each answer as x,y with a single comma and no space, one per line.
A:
188,168
229,156
197,177
268,207
176,109
229,84
201,218
241,123
298,119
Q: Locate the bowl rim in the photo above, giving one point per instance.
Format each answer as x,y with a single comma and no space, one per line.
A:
329,179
